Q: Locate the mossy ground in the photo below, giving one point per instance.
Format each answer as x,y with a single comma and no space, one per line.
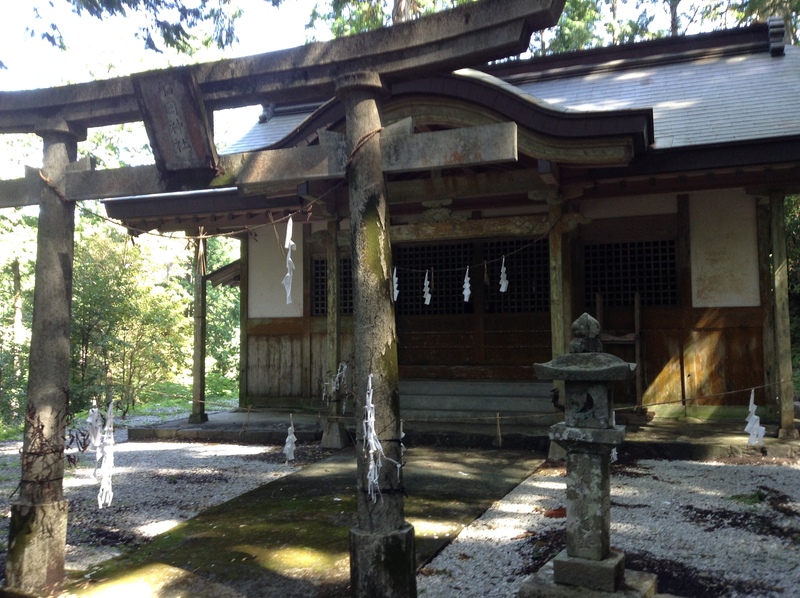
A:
291,537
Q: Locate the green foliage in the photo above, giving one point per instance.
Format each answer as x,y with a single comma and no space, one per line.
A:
748,11
222,313
346,17
792,218
130,330
17,259
577,29
117,146
220,386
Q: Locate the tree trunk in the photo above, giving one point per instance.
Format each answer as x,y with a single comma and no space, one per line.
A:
674,21
382,559
37,534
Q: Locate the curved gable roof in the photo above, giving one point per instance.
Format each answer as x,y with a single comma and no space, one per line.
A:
549,123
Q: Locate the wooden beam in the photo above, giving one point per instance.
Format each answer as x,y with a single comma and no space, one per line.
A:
549,172
489,184
521,226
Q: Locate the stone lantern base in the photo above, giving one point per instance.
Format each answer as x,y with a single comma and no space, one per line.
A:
606,575
542,584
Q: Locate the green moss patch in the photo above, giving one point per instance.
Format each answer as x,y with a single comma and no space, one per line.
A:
291,537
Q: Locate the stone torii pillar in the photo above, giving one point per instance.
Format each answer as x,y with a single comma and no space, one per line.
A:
382,558
38,530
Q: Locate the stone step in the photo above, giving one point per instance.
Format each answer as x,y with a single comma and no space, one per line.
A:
476,388
483,403
476,400
481,418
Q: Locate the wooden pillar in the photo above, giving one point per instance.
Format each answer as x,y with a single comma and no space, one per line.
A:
37,534
763,223
244,315
560,295
334,436
382,561
783,345
333,340
199,415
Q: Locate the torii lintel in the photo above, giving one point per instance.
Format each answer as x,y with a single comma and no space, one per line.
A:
467,35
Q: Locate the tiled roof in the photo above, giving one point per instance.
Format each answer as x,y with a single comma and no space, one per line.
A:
707,101
265,134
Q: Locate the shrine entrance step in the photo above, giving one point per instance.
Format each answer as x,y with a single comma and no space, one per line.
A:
477,412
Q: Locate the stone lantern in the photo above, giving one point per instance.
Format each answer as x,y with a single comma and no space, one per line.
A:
588,434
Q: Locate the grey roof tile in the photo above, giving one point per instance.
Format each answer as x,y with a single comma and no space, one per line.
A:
694,103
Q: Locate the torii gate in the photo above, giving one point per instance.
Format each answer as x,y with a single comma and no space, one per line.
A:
174,105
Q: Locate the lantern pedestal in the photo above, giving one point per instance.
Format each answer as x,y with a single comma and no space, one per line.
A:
588,434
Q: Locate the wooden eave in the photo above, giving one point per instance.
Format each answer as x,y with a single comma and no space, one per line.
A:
229,275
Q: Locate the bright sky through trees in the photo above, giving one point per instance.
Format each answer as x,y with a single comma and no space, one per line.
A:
102,49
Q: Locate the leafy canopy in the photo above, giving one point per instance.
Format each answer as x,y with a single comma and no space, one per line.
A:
169,22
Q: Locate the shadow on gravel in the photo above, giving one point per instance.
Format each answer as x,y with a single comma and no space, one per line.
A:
291,537
674,577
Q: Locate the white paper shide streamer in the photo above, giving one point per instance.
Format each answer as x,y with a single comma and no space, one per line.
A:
426,289
373,448
754,427
467,289
95,425
105,455
289,245
372,444
394,284
291,440
503,278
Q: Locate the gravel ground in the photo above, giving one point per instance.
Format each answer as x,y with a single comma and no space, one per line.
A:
156,486
706,528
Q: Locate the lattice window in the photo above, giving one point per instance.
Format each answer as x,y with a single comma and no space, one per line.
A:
528,271
618,270
319,290
345,285
446,265
319,286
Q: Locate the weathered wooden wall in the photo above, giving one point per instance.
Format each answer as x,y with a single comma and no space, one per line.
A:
284,351
710,354
488,347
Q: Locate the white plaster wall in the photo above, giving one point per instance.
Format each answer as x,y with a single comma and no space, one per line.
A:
724,249
621,207
266,268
